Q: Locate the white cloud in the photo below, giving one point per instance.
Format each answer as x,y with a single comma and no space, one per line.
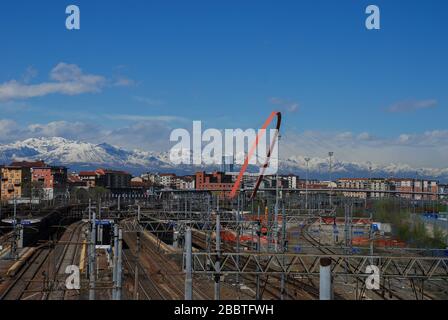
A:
412,105
428,149
7,127
403,138
344,136
69,130
68,79
151,135
123,81
14,106
293,107
149,101
435,138
420,150
131,117
29,74
286,105
364,136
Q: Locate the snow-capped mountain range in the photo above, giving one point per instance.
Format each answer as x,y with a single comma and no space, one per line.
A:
79,155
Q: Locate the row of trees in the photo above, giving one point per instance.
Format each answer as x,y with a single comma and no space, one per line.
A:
408,226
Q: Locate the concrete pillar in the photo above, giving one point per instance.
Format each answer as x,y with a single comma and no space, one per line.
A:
325,283
188,266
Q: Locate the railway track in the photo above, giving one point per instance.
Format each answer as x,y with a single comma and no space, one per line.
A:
379,293
164,273
145,284
33,279
299,288
70,250
18,287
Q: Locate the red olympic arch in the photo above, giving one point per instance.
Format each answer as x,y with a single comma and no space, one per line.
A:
251,152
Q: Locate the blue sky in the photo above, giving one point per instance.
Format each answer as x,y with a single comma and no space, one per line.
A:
155,65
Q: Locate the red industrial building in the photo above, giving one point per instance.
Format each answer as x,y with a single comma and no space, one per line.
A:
216,181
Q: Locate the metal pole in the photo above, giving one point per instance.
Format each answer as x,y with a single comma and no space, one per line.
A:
119,263
274,230
371,236
257,294
218,262
99,208
275,226
14,246
325,285
115,262
92,255
188,266
284,249
136,267
238,240
90,218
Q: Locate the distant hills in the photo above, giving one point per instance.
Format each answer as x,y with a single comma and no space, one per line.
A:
79,155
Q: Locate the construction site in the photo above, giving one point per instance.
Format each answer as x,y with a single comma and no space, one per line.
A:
199,245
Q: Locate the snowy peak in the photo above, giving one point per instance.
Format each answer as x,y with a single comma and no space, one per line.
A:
320,167
78,154
61,151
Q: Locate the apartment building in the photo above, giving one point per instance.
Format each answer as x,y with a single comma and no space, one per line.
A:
403,186
16,179
49,181
185,183
378,185
427,187
354,184
89,178
34,179
110,179
12,179
167,180
292,181
413,186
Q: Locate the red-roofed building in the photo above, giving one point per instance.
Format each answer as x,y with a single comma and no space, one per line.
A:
74,181
89,178
28,164
23,179
48,181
